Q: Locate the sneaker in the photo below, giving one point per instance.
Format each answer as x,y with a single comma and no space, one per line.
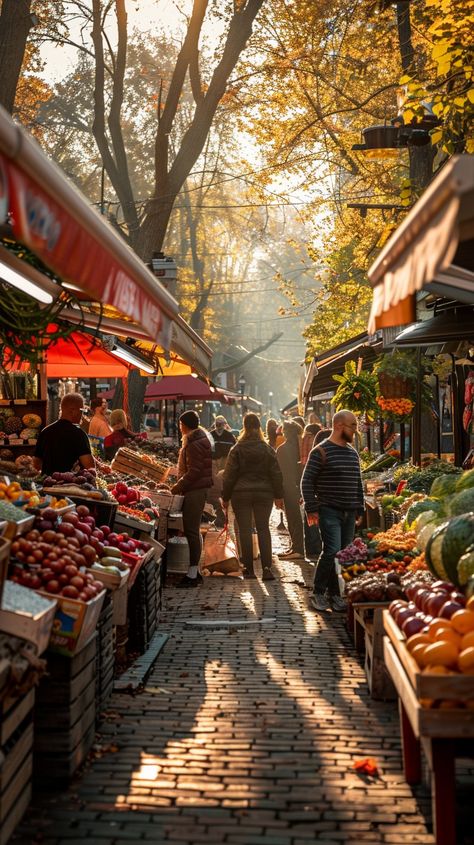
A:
267,574
319,602
338,604
187,583
249,574
292,556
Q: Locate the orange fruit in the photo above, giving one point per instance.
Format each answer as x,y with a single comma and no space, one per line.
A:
450,704
436,624
440,653
437,670
417,639
463,621
470,603
466,660
467,640
448,635
418,654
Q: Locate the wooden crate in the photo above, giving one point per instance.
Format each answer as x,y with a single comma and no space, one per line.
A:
444,735
105,656
437,687
131,463
65,714
16,762
368,638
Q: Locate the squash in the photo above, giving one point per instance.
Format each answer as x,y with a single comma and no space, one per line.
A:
462,502
32,421
465,566
465,481
420,507
433,552
444,485
458,536
424,536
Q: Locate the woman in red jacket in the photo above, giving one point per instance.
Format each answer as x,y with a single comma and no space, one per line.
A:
194,479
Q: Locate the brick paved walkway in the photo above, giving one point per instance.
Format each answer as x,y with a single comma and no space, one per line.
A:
243,737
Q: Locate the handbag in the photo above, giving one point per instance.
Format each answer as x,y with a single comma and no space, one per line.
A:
220,553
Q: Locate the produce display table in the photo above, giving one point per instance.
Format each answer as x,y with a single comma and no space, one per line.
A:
368,638
16,761
444,734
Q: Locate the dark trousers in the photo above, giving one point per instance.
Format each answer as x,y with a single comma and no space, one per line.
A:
294,519
337,531
193,507
312,539
249,508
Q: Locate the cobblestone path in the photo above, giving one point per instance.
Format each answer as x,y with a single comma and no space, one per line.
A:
243,736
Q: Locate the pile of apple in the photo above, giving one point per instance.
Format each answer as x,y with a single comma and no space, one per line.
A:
124,494
440,600
56,553
52,562
86,479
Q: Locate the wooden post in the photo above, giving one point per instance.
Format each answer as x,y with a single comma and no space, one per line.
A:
416,422
440,419
381,450
402,442
443,791
410,748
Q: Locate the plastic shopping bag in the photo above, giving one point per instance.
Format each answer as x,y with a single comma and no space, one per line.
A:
220,553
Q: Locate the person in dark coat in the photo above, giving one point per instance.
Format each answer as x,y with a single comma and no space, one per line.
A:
194,480
252,482
289,459
223,441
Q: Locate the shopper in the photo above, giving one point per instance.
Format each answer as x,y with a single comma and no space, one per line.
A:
288,455
99,425
271,432
63,444
223,441
312,535
252,482
307,442
194,480
120,434
334,500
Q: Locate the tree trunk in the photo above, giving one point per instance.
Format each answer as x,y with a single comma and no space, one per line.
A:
137,385
170,180
15,24
421,158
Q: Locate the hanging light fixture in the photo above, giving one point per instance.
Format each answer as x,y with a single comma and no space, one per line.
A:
132,356
18,280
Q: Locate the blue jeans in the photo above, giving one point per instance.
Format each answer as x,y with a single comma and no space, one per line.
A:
337,531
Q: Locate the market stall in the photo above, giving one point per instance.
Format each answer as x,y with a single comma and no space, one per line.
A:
80,560
410,592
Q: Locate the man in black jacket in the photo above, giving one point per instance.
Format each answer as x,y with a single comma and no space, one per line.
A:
194,479
223,442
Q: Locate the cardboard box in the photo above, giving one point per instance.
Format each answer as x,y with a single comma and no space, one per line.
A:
34,628
74,623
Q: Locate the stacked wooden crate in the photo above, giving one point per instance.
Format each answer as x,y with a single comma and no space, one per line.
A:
105,655
141,466
16,761
144,604
65,713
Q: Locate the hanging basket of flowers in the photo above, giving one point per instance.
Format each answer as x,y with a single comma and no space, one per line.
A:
396,374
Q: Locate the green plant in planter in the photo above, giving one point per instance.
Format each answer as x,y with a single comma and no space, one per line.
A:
398,364
357,391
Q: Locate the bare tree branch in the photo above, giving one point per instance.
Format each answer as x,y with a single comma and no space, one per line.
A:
240,363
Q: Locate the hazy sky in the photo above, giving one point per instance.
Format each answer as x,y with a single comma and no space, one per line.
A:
146,15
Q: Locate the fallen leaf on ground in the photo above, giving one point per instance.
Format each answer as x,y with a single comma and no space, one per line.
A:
367,766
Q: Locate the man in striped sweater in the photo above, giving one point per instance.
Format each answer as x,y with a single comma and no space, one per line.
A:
333,499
